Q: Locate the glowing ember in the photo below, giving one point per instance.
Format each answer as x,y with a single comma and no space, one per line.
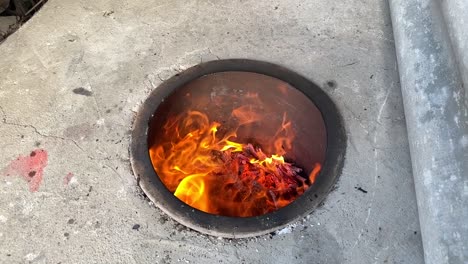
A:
207,169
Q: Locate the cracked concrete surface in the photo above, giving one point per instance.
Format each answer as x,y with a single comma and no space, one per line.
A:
115,53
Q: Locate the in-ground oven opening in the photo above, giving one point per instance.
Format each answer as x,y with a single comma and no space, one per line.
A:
237,147
237,143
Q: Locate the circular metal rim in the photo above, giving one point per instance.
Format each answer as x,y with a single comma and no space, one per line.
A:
238,227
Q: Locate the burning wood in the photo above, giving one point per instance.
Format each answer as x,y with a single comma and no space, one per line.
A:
275,181
220,176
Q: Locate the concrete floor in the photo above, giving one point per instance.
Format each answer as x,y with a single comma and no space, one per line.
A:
75,74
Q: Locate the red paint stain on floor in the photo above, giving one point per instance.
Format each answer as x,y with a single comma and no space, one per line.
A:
67,179
30,168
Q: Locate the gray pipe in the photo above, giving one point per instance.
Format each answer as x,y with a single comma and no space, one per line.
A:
456,18
437,121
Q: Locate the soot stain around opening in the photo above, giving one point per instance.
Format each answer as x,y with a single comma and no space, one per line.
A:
331,84
360,189
82,91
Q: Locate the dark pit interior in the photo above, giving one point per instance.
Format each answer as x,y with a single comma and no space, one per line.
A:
217,88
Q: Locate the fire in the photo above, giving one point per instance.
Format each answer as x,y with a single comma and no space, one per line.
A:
205,167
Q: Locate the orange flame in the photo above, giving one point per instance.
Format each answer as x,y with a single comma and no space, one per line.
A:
246,114
315,172
218,175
